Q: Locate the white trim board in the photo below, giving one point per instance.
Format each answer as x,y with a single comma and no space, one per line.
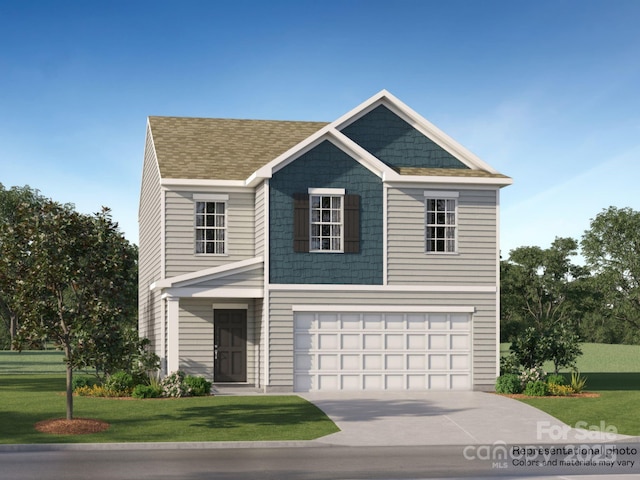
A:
385,288
222,292
383,308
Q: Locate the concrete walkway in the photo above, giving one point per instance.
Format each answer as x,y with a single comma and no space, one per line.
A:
441,418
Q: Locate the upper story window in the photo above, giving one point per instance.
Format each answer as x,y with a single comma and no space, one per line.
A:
326,217
211,224
441,215
326,220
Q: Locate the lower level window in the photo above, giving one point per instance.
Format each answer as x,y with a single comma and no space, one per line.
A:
440,225
211,227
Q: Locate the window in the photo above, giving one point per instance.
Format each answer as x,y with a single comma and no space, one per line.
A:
326,220
441,217
326,223
211,227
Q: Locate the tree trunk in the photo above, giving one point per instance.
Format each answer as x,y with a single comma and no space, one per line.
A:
13,328
67,351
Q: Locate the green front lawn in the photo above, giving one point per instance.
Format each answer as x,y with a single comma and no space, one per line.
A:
612,371
28,399
615,408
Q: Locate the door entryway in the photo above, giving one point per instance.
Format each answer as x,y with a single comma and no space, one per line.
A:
230,345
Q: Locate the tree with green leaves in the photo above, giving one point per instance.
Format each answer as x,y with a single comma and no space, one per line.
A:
542,289
17,205
611,247
79,291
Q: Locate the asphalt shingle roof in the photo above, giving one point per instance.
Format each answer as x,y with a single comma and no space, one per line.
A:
447,172
222,149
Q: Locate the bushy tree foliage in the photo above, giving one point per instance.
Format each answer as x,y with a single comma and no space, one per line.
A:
78,288
17,205
612,249
541,299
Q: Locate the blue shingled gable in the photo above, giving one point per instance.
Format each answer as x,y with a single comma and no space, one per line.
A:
396,143
325,166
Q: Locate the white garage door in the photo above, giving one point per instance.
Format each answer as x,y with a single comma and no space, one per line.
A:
382,351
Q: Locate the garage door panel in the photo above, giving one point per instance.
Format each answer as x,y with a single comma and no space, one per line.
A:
350,321
303,342
351,341
304,321
376,351
328,322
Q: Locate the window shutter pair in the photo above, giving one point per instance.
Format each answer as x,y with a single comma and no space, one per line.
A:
301,223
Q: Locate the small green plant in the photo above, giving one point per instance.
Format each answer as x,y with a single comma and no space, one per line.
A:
508,383
578,382
556,379
197,386
83,381
537,388
121,382
98,391
147,391
509,364
559,390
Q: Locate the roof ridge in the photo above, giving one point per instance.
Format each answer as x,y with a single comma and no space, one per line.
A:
269,120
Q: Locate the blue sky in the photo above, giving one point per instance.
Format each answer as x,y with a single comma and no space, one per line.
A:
547,92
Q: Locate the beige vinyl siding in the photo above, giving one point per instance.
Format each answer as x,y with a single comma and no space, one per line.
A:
150,312
258,335
196,336
253,278
180,236
260,220
281,325
475,261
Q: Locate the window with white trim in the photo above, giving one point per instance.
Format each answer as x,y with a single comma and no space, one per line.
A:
326,222
441,222
211,227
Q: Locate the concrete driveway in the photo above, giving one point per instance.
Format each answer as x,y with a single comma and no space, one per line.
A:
441,418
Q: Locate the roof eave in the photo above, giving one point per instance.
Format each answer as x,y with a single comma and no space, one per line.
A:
450,179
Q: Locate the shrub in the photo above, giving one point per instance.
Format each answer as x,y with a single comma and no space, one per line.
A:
173,385
197,386
578,383
98,391
82,381
559,390
120,382
509,364
536,389
508,383
146,391
534,374
83,391
556,379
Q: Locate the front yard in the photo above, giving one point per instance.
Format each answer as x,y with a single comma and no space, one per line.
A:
28,399
612,371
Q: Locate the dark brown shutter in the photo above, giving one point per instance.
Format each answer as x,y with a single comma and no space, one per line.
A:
300,222
351,223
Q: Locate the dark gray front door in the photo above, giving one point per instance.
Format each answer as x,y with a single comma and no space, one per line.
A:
230,340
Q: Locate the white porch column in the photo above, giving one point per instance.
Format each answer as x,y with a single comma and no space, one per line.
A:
173,334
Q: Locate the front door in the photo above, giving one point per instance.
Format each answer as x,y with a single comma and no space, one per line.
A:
230,345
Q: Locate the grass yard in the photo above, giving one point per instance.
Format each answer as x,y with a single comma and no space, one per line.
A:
28,399
32,361
613,371
614,408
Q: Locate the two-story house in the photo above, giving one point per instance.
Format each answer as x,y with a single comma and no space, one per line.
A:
360,254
